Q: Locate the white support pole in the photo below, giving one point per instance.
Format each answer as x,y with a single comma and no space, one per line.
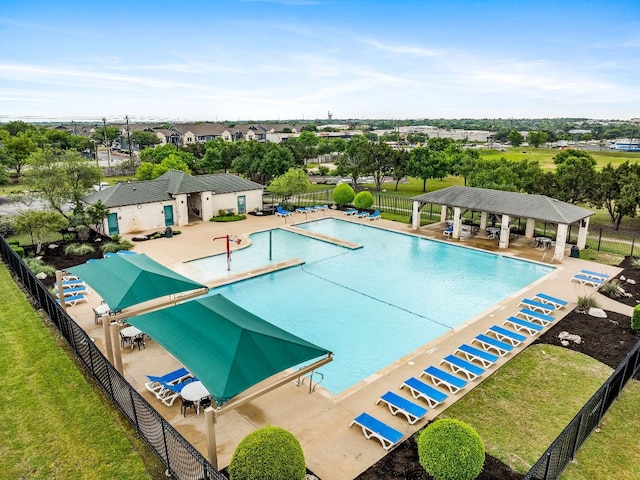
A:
415,215
504,232
106,327
117,350
456,223
530,228
561,241
443,213
582,233
210,420
483,220
63,302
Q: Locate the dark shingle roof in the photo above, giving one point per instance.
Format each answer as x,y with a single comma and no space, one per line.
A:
171,183
521,205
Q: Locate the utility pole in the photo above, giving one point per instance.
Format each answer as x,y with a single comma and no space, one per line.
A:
129,138
106,141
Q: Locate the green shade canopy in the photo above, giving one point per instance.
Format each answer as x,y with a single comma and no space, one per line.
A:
126,280
228,348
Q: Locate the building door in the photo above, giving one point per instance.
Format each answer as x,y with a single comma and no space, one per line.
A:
168,215
242,204
112,223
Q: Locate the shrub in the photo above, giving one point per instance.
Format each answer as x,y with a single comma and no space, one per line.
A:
635,318
363,200
635,263
343,194
270,453
125,245
79,249
323,170
584,303
449,449
18,249
110,247
37,266
228,218
612,288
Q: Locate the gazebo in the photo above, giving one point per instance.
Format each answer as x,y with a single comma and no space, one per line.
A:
507,205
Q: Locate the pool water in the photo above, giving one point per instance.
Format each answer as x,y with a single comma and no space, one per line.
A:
373,305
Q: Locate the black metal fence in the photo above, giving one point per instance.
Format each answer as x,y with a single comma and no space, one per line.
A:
564,448
181,459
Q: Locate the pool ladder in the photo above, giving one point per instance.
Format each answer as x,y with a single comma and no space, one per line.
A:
312,386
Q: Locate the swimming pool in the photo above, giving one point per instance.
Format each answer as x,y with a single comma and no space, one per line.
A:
373,305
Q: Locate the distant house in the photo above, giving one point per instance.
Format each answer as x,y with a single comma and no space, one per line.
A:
176,198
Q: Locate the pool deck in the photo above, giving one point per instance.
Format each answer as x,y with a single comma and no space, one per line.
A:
319,420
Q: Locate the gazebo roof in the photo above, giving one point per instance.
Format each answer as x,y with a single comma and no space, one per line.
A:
514,204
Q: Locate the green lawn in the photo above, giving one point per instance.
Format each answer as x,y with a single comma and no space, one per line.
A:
53,423
526,404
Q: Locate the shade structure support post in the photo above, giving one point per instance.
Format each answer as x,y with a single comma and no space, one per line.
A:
211,419
106,327
505,230
415,215
117,349
63,302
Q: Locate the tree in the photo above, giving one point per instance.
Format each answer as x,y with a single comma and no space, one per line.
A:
400,164
39,224
150,171
575,175
618,191
537,138
158,154
61,177
515,138
304,146
293,182
96,214
17,150
107,132
144,139
425,163
382,162
343,194
464,163
363,200
356,160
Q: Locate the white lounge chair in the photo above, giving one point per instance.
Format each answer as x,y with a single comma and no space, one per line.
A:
398,404
374,428
544,298
585,280
541,307
440,377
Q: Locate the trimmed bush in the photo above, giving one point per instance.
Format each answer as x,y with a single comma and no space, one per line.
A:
584,303
343,194
19,250
449,449
635,318
270,453
79,249
37,266
228,218
363,200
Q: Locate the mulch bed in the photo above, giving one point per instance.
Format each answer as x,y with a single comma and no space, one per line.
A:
606,339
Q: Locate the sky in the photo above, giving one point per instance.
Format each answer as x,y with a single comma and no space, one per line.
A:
251,60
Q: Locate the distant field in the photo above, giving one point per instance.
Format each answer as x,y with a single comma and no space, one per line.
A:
544,156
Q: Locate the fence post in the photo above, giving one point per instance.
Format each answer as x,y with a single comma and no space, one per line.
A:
599,238
633,243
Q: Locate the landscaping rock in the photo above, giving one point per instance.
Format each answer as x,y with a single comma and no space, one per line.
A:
41,276
597,312
569,337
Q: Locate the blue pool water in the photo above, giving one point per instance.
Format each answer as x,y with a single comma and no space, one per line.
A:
373,305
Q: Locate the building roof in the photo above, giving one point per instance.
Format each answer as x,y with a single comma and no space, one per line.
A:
522,205
164,187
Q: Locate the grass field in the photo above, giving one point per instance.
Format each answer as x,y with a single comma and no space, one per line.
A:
53,423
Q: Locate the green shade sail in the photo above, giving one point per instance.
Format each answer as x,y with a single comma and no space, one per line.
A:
126,280
228,348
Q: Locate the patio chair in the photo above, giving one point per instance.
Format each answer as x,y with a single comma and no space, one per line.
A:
362,214
585,280
545,308
519,324
73,300
596,275
474,354
490,343
440,377
533,316
419,389
374,428
155,383
171,391
544,298
448,232
72,291
506,335
460,366
398,404
350,211
374,216
280,212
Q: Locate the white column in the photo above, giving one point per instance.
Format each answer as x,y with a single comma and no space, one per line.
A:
561,241
531,228
582,233
182,210
443,213
456,223
483,220
206,200
504,232
415,215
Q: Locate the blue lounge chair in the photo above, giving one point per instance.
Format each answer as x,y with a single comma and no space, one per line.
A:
419,389
362,214
506,335
73,283
474,354
321,207
448,231
556,302
374,216
350,211
490,343
532,316
171,391
458,365
73,300
519,324
596,275
155,383
280,212
72,291
304,210
545,308
374,428
584,280
125,252
398,404
440,377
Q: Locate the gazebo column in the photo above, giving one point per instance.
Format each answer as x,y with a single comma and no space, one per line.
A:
443,213
582,233
561,241
207,205
504,232
531,228
483,220
415,215
456,222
